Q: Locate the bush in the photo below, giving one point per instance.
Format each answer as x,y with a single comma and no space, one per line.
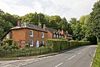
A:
58,45
53,45
9,45
24,52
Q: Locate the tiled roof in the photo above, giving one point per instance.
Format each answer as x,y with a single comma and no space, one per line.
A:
29,26
51,30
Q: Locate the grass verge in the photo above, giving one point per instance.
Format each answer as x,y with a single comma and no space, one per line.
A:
96,61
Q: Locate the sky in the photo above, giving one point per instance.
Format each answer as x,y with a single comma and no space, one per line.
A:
63,8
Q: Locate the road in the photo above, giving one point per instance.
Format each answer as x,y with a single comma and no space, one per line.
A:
78,57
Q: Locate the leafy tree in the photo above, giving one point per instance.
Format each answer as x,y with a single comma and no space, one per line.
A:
76,28
29,18
6,22
94,25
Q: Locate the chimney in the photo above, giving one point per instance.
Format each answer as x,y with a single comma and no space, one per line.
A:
59,30
62,32
19,22
39,24
44,26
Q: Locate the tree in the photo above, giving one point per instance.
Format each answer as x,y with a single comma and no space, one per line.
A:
84,20
94,25
7,21
76,28
63,24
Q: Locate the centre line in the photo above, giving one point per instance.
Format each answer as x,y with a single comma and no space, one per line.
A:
79,53
58,64
71,57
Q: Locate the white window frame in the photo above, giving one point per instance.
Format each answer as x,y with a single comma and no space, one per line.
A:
54,35
57,36
32,34
43,42
32,43
42,34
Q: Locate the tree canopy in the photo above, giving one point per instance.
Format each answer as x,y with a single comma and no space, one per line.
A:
95,20
6,22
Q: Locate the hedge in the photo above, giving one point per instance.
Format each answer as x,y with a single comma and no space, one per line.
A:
24,52
53,45
58,45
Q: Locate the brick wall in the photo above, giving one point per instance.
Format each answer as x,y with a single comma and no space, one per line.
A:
49,35
21,36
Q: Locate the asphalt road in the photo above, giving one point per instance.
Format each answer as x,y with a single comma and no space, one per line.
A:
78,57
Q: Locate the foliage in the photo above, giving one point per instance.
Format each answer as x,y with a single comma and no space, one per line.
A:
53,45
95,20
6,22
81,29
86,28
76,28
9,45
55,22
58,44
24,52
96,61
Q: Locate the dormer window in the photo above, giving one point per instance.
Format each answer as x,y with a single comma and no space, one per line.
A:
31,33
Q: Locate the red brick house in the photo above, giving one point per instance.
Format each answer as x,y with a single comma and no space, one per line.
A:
32,35
28,34
56,34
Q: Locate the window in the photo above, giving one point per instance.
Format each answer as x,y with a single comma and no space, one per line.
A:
54,35
31,33
42,34
57,35
31,43
37,43
43,42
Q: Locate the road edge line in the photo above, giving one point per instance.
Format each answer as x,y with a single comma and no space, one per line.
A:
58,64
93,57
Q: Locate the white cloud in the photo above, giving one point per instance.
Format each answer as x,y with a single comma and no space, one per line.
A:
64,8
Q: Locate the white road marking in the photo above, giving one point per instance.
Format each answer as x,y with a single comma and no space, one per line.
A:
66,57
58,64
92,58
79,53
71,57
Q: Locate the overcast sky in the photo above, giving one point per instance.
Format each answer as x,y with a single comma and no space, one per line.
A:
64,8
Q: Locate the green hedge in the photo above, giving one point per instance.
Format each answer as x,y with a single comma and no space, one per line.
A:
24,52
9,45
54,45
58,44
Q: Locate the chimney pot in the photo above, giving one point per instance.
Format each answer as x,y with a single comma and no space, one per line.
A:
39,24
44,26
19,22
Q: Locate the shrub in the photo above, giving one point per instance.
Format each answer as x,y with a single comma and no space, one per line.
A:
54,45
58,44
9,45
24,52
